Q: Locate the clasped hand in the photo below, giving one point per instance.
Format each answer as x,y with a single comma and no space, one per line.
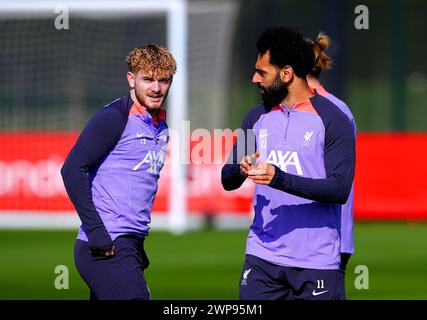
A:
261,173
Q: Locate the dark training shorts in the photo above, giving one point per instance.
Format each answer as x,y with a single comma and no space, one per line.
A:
262,280
120,277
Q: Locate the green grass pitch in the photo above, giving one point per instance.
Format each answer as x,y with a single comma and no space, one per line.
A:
207,264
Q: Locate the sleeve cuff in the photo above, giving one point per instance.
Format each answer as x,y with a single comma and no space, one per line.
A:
279,179
99,239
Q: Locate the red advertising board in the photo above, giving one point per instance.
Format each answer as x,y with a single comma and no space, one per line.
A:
389,183
391,175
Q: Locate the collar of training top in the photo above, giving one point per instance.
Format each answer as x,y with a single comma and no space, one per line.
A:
137,108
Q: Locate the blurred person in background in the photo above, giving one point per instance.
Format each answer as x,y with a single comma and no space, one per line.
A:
111,177
322,62
303,173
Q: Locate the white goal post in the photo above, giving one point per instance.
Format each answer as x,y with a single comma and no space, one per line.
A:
176,17
64,64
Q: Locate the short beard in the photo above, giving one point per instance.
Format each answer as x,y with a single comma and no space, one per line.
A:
141,100
274,94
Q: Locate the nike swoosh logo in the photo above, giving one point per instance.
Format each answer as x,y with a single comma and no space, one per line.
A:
317,293
263,135
139,135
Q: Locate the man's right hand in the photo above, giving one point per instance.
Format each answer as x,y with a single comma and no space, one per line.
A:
100,243
102,253
246,162
108,253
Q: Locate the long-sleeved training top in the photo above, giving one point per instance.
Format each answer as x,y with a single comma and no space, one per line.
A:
298,215
111,173
347,209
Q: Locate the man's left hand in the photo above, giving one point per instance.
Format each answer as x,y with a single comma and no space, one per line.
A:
262,173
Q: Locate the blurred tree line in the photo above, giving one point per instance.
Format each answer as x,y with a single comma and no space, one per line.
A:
381,72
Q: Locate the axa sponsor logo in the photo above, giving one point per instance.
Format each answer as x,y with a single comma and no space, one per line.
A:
155,161
285,160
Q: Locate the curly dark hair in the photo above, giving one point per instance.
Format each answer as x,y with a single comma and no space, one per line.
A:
287,47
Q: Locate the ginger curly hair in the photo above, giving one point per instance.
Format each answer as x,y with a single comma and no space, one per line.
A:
152,58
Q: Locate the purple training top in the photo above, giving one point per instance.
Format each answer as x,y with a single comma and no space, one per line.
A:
347,235
298,215
112,171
